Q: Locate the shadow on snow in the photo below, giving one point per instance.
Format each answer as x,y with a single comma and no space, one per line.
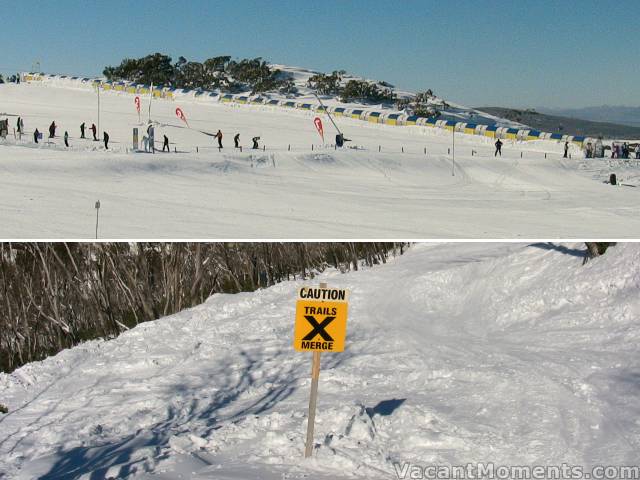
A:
203,415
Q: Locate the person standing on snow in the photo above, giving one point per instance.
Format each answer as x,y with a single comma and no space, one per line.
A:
82,127
151,131
66,139
145,142
105,135
36,134
219,137
566,150
236,140
589,150
52,129
94,130
498,148
637,150
165,144
255,143
19,125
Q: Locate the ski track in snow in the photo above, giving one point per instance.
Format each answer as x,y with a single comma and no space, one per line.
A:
509,353
50,192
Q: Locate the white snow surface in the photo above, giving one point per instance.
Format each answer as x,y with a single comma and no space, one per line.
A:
50,192
470,352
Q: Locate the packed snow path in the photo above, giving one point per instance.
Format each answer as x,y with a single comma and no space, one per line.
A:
507,353
50,192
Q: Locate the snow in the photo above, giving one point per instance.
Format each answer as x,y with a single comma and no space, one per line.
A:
448,109
470,352
50,192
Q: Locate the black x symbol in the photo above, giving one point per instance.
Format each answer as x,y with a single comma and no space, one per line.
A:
319,328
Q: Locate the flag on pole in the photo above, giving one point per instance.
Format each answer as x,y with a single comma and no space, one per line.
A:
318,124
138,104
180,114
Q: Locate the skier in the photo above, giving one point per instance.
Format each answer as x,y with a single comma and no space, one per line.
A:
105,135
566,149
145,142
82,127
166,144
255,143
589,150
236,140
637,150
36,134
219,137
94,130
52,129
498,148
19,125
66,139
151,131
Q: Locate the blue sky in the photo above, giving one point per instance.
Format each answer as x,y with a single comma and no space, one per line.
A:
476,52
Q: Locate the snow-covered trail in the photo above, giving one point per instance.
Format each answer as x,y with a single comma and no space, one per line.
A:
49,192
505,353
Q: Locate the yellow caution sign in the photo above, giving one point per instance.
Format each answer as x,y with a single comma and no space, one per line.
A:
321,319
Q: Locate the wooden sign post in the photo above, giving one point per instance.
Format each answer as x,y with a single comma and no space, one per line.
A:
313,400
321,326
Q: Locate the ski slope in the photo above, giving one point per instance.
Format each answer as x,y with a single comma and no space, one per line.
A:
506,353
296,187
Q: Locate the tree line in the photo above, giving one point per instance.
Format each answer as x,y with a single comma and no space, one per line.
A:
359,90
255,75
423,104
55,295
216,73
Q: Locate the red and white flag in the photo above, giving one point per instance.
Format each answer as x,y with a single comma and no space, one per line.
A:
318,124
181,115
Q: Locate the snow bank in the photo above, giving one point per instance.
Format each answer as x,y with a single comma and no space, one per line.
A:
507,353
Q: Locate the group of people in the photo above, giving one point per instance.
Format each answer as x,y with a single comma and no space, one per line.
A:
236,141
148,140
624,150
37,135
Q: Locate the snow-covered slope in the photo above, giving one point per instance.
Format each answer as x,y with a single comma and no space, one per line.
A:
507,353
298,187
449,110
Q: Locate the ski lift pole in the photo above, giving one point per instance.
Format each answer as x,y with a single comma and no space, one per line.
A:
98,90
327,112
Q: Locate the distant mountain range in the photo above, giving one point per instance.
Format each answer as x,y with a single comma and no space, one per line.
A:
565,124
606,113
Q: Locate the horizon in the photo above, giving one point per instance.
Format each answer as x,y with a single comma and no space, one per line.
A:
484,56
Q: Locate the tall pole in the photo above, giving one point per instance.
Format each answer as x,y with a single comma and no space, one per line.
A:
98,90
327,112
313,400
453,151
